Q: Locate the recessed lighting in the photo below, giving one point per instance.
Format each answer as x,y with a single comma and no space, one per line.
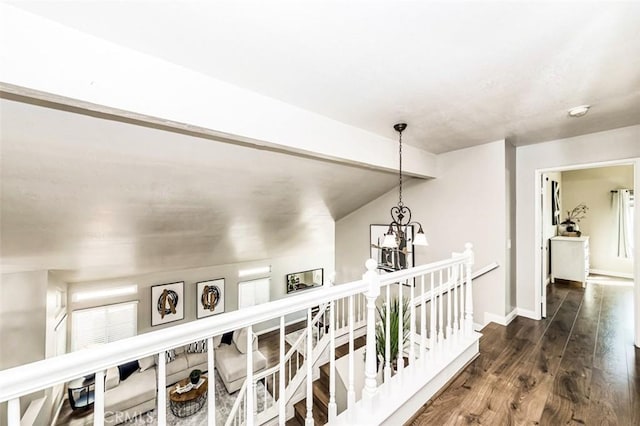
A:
579,111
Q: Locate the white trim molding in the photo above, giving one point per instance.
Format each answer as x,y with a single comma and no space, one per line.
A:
611,273
502,320
527,314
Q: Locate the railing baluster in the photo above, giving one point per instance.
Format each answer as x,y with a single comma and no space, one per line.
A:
400,361
387,337
455,300
211,384
462,296
432,315
351,393
469,301
249,395
344,317
449,277
13,412
282,403
308,421
255,399
423,319
440,317
162,389
333,408
412,318
98,395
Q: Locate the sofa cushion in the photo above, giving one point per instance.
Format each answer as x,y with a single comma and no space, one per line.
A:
146,362
240,340
138,388
112,378
195,359
199,346
227,337
232,365
177,365
127,369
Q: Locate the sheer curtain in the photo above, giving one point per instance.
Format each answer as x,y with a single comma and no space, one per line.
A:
623,202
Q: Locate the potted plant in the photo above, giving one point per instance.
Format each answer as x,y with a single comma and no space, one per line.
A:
394,323
570,224
194,376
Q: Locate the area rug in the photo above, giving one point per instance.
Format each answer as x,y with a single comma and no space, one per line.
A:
224,403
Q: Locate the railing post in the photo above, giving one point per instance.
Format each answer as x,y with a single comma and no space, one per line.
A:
333,407
211,384
308,362
13,412
370,361
351,387
282,401
162,389
249,413
98,406
469,298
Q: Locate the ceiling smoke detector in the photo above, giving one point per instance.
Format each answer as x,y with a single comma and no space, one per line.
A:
579,111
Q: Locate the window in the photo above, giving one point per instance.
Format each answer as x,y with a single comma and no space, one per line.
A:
253,292
103,324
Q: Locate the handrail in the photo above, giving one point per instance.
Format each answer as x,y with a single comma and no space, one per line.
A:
438,289
236,403
29,378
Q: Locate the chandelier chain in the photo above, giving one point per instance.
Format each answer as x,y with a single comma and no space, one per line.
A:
400,173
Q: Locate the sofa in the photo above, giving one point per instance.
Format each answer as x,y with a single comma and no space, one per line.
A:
131,389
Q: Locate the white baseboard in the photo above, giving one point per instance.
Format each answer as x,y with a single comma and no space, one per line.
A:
498,319
527,313
277,327
611,273
477,327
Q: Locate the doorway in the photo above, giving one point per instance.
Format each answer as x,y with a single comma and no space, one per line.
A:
545,227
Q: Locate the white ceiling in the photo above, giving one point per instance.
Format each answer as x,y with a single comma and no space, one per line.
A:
97,198
460,73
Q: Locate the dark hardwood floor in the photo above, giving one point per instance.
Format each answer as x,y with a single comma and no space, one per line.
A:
576,367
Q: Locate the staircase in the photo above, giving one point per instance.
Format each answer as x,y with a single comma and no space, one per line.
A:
321,392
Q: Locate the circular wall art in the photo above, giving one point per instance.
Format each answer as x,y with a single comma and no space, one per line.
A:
209,298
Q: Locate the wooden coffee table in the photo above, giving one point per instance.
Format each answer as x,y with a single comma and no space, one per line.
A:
188,403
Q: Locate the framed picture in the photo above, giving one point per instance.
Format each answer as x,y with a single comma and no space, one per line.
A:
167,303
391,259
555,203
304,280
209,298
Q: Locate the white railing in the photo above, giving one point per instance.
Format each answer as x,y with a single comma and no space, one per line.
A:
449,317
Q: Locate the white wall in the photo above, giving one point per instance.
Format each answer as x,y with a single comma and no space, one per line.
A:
467,203
23,298
593,187
618,144
309,258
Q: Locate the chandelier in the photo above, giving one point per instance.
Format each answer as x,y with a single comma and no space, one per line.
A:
400,230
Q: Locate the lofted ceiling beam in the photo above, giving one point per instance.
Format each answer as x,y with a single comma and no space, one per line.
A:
44,61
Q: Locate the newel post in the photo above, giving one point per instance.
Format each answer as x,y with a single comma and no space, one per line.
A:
371,277
468,319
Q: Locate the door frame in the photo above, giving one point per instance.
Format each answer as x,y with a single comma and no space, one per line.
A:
539,280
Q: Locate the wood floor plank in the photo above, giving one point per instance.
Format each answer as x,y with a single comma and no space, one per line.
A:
568,401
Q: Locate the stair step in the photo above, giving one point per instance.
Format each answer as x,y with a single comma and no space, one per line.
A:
319,417
324,374
321,396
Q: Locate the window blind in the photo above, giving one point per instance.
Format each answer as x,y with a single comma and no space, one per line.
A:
104,324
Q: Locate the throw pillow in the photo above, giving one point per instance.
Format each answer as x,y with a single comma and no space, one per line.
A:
146,363
169,355
227,338
128,369
240,340
217,340
197,347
